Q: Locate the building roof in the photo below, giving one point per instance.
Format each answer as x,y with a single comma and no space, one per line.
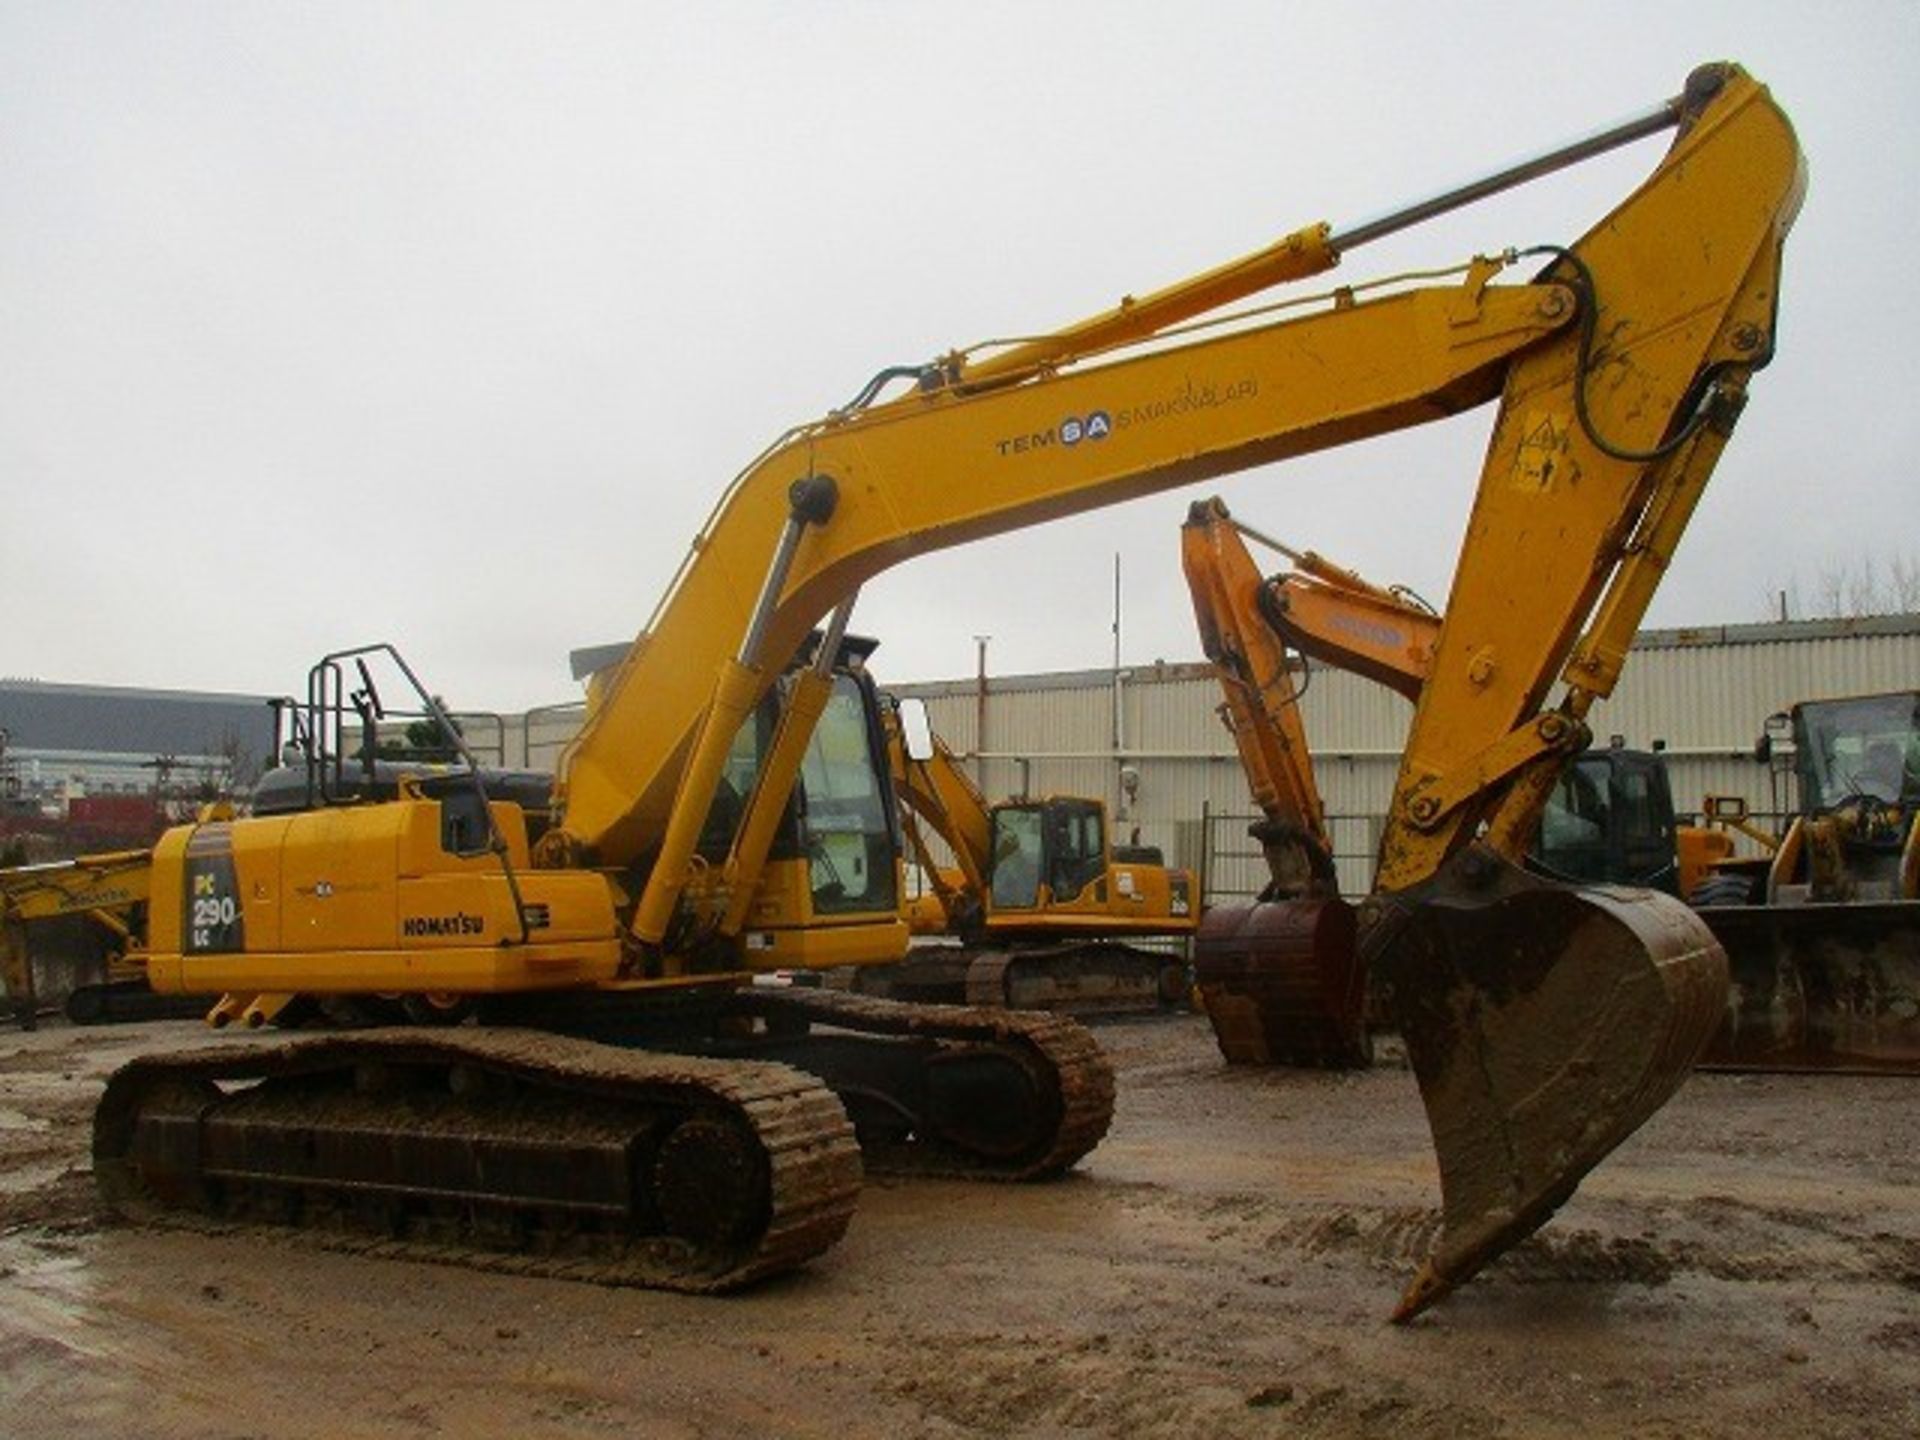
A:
1772,631
124,720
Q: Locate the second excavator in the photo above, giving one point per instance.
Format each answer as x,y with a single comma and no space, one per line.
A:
723,816
1040,910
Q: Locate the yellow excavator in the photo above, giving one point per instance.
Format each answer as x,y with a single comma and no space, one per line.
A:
103,893
92,906
1040,905
722,816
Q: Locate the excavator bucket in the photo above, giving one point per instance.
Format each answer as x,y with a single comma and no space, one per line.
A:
1544,1024
1282,982
1819,987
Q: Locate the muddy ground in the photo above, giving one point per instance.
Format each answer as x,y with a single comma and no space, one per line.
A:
1749,1263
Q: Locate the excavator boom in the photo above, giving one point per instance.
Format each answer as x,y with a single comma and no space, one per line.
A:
1543,1022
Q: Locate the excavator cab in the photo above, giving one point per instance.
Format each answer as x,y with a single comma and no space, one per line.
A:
1058,842
1609,820
1866,747
839,817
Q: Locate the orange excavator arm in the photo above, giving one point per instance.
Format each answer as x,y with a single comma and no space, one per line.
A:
1247,624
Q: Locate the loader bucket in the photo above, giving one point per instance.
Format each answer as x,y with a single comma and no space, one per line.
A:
1282,983
1544,1023
1819,987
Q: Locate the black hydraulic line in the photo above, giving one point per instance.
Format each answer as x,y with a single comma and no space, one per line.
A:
1692,404
871,390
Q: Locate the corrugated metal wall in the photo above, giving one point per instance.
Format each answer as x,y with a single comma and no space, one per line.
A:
1707,694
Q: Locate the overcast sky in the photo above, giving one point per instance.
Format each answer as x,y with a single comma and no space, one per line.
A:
446,323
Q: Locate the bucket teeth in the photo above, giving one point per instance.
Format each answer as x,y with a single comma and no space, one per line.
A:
1544,1024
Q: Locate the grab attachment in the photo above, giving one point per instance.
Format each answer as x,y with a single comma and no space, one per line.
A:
1544,1023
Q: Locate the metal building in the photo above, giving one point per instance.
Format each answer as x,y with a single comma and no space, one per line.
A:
1148,740
63,741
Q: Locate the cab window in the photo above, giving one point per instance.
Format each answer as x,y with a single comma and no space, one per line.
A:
1079,850
1017,855
843,820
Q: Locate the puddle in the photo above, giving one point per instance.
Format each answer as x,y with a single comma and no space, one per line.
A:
25,1179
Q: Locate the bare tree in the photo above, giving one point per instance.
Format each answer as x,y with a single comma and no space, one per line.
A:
1864,584
242,764
1903,582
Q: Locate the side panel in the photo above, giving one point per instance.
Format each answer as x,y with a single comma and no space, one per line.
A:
784,932
316,903
339,872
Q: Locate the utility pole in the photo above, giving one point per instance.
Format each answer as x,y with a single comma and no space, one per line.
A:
1119,725
980,716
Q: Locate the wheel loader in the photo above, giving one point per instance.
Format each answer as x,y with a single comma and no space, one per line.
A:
637,1104
1823,935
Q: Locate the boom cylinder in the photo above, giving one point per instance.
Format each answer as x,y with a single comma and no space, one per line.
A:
754,838
735,692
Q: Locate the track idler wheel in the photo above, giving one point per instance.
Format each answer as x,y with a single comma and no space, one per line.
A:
1282,982
1544,1023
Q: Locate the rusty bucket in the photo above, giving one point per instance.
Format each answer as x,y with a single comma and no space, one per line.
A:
1544,1023
1282,982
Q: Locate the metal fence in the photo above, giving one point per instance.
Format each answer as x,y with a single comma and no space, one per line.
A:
1232,867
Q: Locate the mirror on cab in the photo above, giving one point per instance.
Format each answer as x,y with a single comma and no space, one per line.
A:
916,731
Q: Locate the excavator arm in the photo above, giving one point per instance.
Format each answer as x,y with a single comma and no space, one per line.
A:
1630,337
1247,625
938,790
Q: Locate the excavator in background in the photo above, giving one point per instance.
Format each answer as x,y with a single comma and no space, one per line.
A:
1611,820
96,903
726,810
1040,901
1822,933
1281,978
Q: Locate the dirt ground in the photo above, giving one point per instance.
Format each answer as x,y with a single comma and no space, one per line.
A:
1749,1263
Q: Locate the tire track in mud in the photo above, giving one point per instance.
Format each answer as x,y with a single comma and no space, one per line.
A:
1735,1241
1714,1235
1168,1385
